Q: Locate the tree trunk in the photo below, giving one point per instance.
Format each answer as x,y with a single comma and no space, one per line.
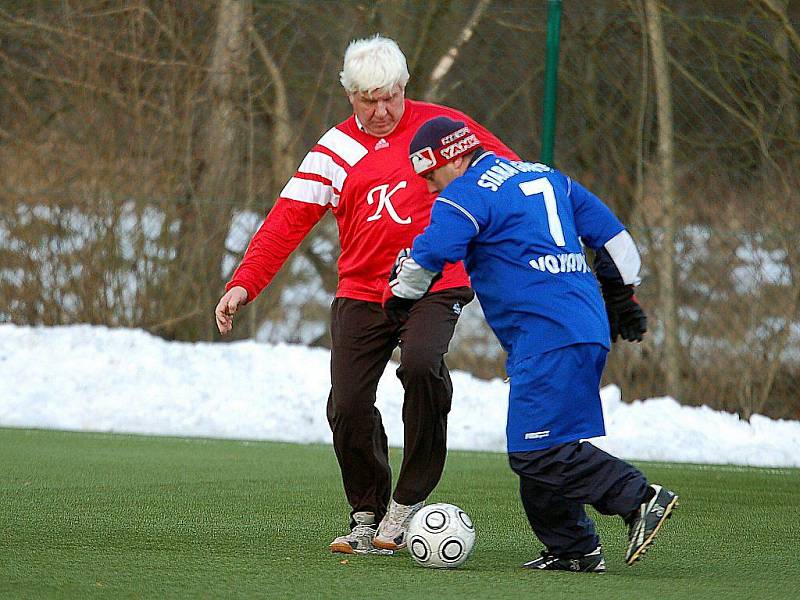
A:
666,177
206,213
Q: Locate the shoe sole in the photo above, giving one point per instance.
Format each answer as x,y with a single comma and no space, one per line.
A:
647,542
598,570
600,567
343,548
387,545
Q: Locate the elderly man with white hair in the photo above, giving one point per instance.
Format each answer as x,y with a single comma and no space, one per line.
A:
359,170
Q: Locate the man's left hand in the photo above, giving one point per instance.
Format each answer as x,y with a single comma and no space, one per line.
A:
626,317
631,321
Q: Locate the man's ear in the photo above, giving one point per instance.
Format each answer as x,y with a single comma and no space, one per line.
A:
461,163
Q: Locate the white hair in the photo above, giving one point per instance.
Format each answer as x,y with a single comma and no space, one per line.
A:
375,63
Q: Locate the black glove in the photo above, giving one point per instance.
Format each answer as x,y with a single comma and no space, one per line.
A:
625,317
397,309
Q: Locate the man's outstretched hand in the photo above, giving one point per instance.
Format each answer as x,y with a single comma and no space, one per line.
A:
227,307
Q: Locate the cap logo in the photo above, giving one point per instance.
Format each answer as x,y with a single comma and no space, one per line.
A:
455,135
460,147
423,160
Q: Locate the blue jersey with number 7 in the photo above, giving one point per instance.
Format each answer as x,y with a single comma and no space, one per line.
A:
520,229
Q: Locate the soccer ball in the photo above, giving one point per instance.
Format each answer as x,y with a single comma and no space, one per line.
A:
441,536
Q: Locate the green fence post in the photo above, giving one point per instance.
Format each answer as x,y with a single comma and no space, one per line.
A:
550,81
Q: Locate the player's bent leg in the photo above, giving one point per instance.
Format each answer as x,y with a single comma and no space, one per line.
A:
424,340
358,360
561,524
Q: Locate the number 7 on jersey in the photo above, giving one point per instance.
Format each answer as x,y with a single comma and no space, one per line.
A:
543,186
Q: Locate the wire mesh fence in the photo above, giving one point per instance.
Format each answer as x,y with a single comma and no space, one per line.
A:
141,144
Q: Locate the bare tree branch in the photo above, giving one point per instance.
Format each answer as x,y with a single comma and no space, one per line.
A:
284,162
445,63
779,12
96,45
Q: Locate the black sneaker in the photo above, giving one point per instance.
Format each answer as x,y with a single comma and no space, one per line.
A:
588,563
645,522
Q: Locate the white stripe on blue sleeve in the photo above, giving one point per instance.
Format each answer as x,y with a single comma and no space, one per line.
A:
463,210
626,257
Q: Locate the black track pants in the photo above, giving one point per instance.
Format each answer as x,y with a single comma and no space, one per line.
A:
557,482
362,344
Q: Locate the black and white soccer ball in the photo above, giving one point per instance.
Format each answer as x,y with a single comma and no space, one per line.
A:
441,536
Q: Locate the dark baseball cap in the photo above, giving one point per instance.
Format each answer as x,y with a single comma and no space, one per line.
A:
439,141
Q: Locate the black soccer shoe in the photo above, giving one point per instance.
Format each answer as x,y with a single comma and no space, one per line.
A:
588,563
645,521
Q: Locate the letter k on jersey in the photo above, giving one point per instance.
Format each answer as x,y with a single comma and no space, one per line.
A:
385,201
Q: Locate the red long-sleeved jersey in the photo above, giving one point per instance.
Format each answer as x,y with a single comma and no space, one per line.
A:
379,202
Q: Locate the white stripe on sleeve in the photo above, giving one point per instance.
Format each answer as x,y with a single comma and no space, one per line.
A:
343,145
312,192
625,256
321,164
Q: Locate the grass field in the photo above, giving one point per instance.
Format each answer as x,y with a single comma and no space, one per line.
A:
95,515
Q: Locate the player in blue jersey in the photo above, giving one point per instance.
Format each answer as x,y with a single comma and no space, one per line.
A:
520,229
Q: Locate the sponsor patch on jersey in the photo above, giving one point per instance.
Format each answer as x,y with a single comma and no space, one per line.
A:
571,262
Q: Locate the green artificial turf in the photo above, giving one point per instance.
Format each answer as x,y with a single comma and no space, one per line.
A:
97,515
